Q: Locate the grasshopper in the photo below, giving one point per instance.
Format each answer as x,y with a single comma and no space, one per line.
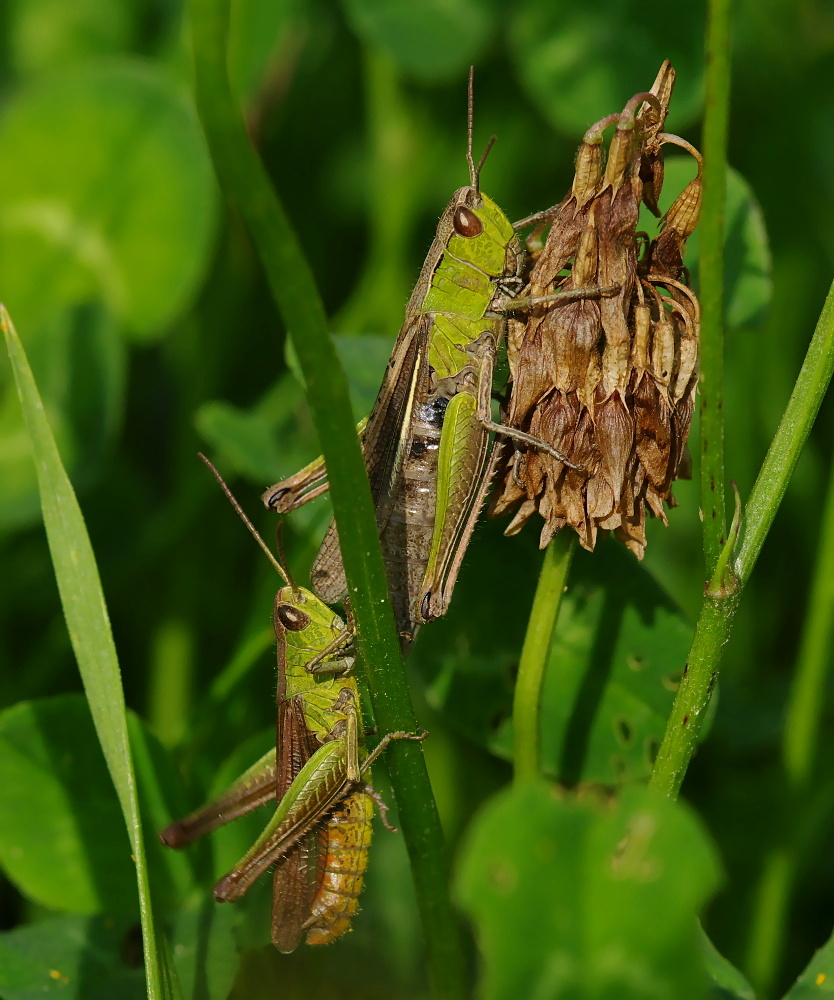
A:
426,441
319,836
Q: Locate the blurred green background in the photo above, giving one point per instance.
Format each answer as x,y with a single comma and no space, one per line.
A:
152,335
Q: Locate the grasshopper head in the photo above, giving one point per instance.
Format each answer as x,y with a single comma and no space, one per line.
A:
304,626
298,613
477,231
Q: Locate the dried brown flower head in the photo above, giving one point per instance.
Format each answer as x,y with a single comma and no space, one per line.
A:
608,381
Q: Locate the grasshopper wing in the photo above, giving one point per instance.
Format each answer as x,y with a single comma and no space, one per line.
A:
298,874
385,444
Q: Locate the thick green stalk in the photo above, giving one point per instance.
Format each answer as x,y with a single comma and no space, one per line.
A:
799,742
711,386
786,447
534,655
245,181
681,736
724,591
699,676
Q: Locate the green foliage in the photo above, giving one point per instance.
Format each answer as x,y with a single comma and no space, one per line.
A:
151,333
614,664
89,628
83,958
58,805
561,892
818,978
106,216
748,282
107,196
577,62
432,40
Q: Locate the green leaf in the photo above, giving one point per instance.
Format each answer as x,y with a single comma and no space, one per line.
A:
579,899
62,836
105,193
618,649
433,40
748,281
206,951
74,958
581,62
275,438
818,978
89,628
79,359
728,982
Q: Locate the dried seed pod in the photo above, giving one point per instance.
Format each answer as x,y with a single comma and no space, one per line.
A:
608,381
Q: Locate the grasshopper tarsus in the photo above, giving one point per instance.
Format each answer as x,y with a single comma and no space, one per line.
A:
383,807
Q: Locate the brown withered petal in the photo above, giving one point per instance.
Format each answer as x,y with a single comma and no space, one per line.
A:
607,380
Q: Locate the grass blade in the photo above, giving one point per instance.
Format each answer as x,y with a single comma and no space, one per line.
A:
92,640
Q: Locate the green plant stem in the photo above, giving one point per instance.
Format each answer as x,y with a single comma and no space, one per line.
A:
711,385
715,622
689,708
534,655
718,609
244,179
799,742
791,434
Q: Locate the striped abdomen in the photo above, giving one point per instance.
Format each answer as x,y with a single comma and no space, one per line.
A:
406,538
348,839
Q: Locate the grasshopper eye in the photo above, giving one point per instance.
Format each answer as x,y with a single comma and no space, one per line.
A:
466,223
291,618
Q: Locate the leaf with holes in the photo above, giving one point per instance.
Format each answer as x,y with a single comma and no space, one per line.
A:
618,651
577,899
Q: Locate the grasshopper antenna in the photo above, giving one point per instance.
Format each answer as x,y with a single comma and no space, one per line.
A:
282,555
470,117
474,172
253,530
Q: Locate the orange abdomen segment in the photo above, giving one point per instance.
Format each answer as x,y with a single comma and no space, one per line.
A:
348,838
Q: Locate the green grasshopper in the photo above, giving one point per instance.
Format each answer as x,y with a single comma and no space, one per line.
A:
426,441
319,836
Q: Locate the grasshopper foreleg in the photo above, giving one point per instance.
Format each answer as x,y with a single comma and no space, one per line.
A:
342,665
527,302
484,412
